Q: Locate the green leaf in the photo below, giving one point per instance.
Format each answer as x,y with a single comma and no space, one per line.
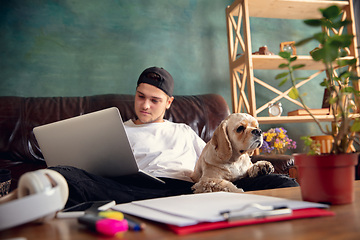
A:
294,94
354,78
355,127
320,37
313,22
325,83
327,24
345,62
351,61
285,55
283,65
348,90
341,63
298,66
283,82
345,74
340,24
327,54
304,41
293,59
281,75
317,54
333,100
331,12
307,140
340,41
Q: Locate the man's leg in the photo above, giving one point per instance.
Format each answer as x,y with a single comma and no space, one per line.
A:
268,181
84,186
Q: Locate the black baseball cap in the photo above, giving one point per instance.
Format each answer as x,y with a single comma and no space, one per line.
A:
164,81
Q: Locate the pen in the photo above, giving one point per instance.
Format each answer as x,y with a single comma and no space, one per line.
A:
102,225
263,211
260,214
134,224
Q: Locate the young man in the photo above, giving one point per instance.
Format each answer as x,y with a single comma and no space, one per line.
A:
164,149
161,148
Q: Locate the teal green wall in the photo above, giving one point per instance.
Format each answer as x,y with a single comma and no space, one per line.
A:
88,47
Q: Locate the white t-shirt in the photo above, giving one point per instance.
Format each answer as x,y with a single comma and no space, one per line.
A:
165,149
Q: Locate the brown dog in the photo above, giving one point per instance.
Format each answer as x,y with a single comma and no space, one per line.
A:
226,157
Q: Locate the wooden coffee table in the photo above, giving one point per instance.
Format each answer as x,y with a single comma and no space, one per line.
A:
344,225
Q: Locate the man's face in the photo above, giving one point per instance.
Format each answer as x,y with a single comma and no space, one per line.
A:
150,104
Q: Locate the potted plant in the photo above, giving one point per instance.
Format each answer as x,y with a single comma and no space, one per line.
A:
318,176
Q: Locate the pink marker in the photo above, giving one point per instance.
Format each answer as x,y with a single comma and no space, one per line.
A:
104,225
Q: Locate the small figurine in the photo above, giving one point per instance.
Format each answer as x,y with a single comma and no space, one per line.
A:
263,51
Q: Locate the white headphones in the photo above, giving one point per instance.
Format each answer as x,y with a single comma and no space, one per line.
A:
40,194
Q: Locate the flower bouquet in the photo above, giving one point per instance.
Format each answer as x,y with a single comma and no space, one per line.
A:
276,141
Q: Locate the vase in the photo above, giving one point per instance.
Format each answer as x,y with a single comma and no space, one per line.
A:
327,178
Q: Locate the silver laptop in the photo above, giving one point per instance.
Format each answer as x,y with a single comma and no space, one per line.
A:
95,142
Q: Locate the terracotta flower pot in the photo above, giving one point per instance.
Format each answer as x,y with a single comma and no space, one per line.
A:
327,178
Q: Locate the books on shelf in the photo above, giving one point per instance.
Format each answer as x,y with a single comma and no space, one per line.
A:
303,112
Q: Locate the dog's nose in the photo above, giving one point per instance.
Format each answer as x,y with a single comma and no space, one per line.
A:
256,132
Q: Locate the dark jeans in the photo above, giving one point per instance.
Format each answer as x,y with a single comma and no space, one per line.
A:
84,186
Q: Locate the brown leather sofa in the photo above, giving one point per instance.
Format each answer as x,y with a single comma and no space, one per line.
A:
20,153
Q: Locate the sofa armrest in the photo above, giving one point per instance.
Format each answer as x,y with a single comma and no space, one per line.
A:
283,164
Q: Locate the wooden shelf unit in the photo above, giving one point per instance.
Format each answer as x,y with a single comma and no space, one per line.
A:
272,62
285,9
292,119
241,67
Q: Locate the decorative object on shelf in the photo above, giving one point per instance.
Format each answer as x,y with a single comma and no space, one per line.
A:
263,51
276,141
330,177
275,109
323,143
288,47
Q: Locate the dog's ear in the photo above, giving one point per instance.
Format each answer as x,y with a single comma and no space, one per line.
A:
221,142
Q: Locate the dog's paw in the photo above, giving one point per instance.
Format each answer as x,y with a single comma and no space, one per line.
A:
261,168
215,185
266,168
203,187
